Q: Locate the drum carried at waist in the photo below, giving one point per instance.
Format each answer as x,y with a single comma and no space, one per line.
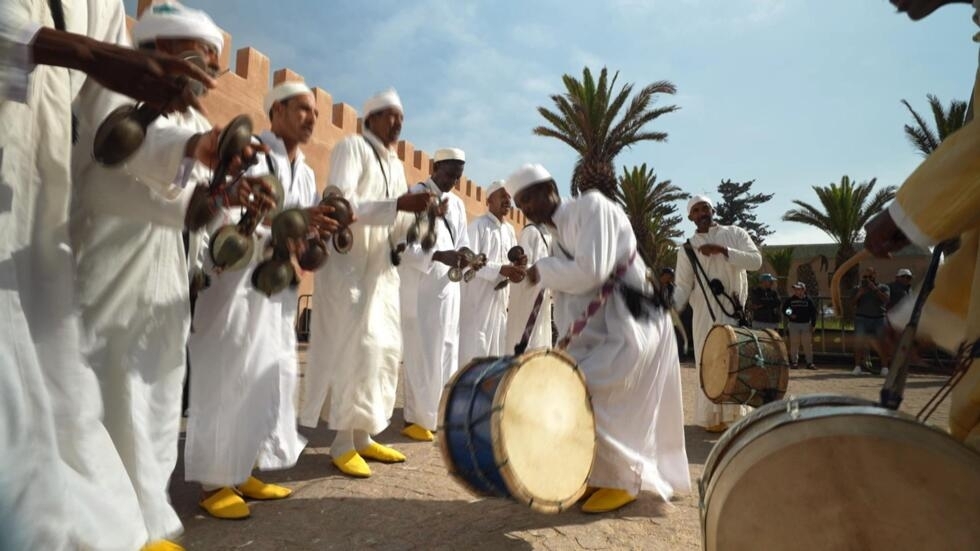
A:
835,472
520,427
744,366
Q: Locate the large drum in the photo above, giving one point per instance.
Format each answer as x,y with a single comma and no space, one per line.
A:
833,472
744,366
520,427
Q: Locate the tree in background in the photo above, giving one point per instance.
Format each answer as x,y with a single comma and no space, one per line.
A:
736,207
923,138
587,118
780,260
651,208
843,211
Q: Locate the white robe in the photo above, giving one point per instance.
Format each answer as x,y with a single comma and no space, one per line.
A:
133,290
483,318
535,240
430,314
630,364
742,255
243,349
355,334
77,495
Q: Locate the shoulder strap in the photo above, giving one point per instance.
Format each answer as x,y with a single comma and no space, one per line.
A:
57,14
380,164
695,266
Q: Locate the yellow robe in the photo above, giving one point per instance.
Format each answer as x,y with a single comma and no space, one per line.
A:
939,201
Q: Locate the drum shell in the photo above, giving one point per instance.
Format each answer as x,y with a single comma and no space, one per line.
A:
471,436
827,481
753,384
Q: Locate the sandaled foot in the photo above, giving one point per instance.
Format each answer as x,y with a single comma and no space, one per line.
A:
381,453
226,504
416,432
352,464
253,488
607,499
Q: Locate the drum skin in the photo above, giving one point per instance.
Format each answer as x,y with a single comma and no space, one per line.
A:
744,366
519,427
834,472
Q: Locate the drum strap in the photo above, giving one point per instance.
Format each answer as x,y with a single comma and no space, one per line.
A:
520,347
717,289
607,288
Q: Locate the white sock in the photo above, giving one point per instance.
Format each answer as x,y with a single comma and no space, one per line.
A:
342,443
362,439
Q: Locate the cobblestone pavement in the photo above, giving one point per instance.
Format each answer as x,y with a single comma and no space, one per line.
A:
416,505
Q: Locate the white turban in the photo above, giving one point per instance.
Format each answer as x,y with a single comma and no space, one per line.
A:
285,90
449,154
699,199
170,19
494,186
383,100
526,176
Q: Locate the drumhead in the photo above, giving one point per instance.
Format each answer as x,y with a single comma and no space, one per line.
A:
544,431
716,360
822,475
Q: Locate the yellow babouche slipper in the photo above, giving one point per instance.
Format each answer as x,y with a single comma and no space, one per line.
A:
720,427
607,499
352,464
226,504
162,545
417,432
381,453
253,488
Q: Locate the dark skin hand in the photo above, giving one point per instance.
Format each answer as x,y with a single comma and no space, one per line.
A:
450,258
204,149
883,237
515,274
320,222
533,275
709,249
155,78
415,202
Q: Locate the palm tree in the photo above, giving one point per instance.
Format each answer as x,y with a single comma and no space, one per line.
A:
587,118
844,210
780,260
922,137
650,207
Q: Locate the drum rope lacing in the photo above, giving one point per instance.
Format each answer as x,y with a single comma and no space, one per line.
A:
760,360
607,288
964,359
470,447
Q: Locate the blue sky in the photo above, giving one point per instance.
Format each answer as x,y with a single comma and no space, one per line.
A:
792,93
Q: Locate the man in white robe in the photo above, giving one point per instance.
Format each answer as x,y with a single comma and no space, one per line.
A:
725,252
535,239
430,301
133,286
629,358
355,334
483,324
243,347
61,476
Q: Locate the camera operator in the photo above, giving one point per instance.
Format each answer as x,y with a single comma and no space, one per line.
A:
871,301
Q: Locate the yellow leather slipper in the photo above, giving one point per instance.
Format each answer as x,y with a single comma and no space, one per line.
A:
381,453
417,432
253,488
352,464
607,499
162,545
226,504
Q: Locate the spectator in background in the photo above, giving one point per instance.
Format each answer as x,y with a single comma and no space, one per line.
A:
870,299
764,304
900,288
801,316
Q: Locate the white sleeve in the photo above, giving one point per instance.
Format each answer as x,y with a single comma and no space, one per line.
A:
17,34
594,254
744,255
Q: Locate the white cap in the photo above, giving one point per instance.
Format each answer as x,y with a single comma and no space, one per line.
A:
799,285
495,186
285,90
449,154
904,272
171,19
699,199
526,176
382,100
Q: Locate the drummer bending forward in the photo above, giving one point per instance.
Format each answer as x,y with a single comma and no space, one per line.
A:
629,359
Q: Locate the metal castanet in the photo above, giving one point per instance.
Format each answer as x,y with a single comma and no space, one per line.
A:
343,214
233,245
517,257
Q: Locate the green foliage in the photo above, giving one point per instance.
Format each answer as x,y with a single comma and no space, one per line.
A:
736,206
651,208
781,260
925,139
598,122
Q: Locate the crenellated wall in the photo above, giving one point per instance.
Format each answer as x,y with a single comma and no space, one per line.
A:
243,89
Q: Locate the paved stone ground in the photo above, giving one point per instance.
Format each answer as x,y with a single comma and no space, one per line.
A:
416,505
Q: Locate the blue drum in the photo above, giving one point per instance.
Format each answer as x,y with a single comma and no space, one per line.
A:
520,427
